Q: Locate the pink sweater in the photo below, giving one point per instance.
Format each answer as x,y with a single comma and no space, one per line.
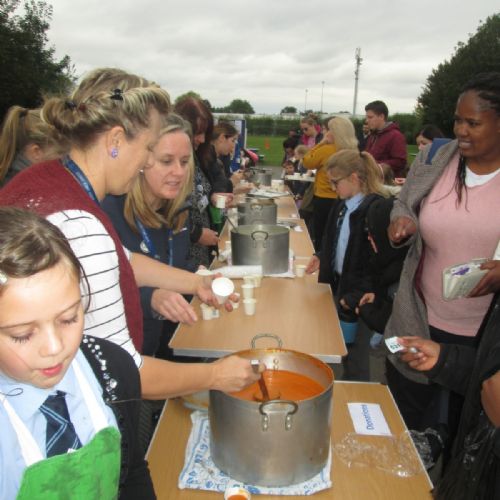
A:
454,235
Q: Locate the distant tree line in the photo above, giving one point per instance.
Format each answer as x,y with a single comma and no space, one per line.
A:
29,71
275,126
238,106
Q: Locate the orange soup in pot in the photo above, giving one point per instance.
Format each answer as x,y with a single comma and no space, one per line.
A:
282,384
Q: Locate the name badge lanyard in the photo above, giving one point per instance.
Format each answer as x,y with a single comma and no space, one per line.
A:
150,245
81,178
84,182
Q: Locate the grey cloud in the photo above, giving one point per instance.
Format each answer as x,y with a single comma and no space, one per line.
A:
269,52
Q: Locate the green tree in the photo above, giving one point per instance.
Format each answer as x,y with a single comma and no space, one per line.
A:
190,93
28,69
288,109
436,103
240,106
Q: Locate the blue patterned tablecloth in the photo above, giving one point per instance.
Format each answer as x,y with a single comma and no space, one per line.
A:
199,471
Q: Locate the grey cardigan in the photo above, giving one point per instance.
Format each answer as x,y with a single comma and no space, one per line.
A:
409,314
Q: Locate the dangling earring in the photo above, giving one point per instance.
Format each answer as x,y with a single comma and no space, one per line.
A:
114,153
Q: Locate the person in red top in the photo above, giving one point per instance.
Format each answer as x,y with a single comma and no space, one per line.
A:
385,143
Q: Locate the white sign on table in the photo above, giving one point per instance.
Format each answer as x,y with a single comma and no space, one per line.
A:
368,419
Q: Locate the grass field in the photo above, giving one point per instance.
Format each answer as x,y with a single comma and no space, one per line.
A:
272,149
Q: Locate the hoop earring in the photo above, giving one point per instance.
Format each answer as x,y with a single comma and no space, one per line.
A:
114,153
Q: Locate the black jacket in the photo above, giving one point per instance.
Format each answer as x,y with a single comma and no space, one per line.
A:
474,468
354,280
123,396
385,266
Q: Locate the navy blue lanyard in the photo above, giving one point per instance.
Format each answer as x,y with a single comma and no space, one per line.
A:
80,177
150,245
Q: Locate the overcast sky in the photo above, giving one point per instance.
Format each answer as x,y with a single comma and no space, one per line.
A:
270,51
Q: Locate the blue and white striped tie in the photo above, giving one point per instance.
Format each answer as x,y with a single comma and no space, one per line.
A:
61,434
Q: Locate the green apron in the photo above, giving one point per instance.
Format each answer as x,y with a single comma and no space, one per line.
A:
91,472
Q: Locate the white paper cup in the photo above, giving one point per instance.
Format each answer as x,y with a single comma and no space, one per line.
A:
300,270
222,288
249,306
234,303
257,280
236,492
220,201
206,312
247,290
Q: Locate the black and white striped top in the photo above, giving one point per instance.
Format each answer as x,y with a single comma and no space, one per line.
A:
105,318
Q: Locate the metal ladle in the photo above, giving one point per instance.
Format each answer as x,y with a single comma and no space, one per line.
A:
262,384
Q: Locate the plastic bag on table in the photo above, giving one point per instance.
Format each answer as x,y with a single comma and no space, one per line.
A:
393,454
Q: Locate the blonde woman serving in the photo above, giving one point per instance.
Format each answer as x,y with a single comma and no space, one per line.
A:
112,133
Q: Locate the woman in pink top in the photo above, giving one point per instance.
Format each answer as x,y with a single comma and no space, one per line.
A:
448,213
311,130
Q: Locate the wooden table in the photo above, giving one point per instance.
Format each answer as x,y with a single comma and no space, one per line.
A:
300,311
166,454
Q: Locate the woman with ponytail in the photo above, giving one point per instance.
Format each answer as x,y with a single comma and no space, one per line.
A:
448,212
25,139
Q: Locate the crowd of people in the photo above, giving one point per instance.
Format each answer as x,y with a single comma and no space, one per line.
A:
383,249
108,209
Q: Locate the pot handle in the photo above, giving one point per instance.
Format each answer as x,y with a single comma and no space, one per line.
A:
266,335
288,416
259,231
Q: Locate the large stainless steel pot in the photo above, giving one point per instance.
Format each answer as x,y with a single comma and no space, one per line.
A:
274,443
257,211
261,177
261,244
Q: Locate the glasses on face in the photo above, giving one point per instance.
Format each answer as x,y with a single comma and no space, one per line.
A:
335,182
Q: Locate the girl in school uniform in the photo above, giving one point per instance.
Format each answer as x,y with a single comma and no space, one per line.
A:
345,250
68,403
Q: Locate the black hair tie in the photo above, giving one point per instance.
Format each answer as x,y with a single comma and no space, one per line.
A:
70,105
117,95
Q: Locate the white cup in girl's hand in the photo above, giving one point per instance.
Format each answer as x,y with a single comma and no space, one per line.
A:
249,306
222,288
